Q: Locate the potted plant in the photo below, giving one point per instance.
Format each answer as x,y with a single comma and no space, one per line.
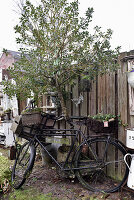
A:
8,113
103,123
31,116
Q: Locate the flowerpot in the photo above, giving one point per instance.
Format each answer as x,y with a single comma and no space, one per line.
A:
130,76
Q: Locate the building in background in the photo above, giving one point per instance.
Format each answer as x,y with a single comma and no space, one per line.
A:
47,104
7,59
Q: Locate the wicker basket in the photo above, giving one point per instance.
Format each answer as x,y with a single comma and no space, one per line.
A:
49,121
31,118
98,126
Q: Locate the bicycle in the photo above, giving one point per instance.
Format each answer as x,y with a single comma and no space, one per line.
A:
90,162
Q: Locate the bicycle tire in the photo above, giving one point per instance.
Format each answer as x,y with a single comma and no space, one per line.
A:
101,175
23,165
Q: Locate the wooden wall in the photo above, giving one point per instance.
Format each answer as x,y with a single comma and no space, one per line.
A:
109,94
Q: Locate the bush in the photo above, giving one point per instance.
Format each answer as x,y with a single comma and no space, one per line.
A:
5,174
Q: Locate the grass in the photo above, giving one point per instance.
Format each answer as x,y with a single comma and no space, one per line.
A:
29,194
5,173
4,165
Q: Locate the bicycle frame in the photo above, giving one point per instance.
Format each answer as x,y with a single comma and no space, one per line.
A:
39,132
77,133
89,160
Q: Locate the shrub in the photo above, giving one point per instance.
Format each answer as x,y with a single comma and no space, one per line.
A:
5,174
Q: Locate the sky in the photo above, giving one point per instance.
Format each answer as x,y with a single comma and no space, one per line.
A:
115,14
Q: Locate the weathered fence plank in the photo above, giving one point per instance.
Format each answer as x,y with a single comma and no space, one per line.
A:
92,99
122,100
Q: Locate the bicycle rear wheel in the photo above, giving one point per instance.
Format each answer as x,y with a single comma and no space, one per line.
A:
101,165
23,165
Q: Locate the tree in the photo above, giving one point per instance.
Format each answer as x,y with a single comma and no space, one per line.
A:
57,48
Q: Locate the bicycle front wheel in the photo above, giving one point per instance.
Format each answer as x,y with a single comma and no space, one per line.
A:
23,165
100,165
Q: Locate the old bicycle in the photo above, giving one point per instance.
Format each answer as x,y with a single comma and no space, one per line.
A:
92,158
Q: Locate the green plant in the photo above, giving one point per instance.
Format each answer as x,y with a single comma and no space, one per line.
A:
31,110
108,117
5,174
8,110
57,48
30,194
103,117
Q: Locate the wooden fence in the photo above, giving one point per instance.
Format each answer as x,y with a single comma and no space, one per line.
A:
109,94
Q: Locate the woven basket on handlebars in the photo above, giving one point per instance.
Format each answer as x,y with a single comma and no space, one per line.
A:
31,118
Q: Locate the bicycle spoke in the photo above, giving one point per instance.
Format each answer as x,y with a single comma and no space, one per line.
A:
23,165
97,170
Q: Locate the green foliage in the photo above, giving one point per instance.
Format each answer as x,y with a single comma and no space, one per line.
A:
5,51
4,168
103,117
108,117
30,194
57,48
5,173
31,110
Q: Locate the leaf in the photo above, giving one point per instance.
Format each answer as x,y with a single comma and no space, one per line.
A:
57,48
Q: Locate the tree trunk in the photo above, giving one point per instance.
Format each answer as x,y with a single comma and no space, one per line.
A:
63,104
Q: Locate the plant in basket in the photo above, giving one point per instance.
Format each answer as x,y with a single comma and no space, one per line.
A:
103,123
31,116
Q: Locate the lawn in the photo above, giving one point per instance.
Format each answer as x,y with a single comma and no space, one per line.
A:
5,172
28,194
